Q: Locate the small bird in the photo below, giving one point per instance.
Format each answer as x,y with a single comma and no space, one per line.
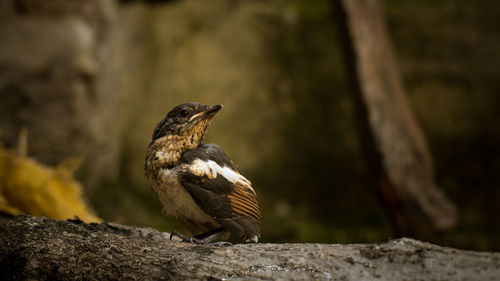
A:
196,182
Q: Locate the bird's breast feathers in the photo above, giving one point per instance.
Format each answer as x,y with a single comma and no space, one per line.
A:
175,199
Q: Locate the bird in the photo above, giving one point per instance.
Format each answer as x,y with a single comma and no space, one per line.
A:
196,182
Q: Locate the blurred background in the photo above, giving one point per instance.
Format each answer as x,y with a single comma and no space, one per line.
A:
91,79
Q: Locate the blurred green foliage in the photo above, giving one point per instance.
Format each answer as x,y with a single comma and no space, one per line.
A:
297,142
318,168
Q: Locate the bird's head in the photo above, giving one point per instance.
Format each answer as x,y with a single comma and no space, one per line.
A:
186,123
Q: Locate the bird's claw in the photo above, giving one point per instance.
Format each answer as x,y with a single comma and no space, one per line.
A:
220,243
194,240
183,237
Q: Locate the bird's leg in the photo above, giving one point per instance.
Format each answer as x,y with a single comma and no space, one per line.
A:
183,237
209,236
204,238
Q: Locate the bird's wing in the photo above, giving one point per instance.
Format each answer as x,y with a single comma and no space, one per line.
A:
220,190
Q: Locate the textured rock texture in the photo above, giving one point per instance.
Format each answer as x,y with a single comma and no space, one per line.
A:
38,248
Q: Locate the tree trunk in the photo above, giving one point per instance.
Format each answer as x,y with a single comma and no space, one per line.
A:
55,73
38,248
398,160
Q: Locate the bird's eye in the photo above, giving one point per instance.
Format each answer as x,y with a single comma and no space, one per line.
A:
184,113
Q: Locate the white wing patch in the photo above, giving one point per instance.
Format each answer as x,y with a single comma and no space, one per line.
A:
211,169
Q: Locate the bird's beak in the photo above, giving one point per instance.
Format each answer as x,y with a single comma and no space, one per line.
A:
209,113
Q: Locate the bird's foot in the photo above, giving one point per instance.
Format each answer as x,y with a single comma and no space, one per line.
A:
184,238
202,241
220,243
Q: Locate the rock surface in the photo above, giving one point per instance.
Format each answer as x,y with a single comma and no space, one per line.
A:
38,248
